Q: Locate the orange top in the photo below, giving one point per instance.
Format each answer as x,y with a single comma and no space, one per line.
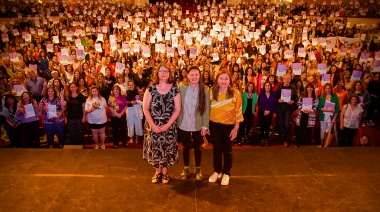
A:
226,111
342,95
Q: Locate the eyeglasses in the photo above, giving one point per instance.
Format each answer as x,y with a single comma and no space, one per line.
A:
163,71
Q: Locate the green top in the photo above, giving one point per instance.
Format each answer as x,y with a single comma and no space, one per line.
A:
244,97
322,100
200,121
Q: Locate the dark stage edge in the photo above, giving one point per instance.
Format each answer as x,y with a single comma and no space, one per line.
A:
281,179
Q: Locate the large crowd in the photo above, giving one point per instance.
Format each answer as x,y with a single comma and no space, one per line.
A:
67,64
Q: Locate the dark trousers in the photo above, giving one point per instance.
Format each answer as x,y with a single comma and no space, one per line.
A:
303,132
119,130
54,129
283,121
265,122
185,138
30,131
15,135
347,136
245,126
222,147
75,131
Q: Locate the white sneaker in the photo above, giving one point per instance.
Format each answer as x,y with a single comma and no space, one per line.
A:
103,147
225,179
214,177
96,146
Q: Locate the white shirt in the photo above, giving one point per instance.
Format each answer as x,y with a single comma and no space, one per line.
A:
99,115
351,117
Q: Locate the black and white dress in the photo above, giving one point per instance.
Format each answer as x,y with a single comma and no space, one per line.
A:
161,149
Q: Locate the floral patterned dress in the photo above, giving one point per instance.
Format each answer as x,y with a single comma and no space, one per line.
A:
161,149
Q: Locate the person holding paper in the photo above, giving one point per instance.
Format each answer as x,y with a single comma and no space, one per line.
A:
350,119
161,106
360,90
118,106
17,88
35,85
95,108
52,107
328,108
27,113
286,98
305,120
193,121
225,117
75,114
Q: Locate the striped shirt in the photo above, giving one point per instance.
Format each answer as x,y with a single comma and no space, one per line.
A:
226,111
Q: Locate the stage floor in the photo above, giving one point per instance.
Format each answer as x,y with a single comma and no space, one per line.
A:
264,179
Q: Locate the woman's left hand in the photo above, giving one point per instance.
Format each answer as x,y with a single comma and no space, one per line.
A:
164,127
234,133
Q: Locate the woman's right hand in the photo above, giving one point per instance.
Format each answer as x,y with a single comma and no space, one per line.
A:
156,129
341,126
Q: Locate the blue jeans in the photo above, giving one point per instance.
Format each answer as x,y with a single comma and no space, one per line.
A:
54,129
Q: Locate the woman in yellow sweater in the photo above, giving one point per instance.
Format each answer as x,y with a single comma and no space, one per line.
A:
225,117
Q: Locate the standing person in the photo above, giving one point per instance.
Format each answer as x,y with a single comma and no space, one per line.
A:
103,88
134,113
193,121
53,121
118,106
305,119
350,118
161,106
359,89
249,99
267,106
327,116
35,85
97,118
29,119
285,109
9,111
225,117
75,114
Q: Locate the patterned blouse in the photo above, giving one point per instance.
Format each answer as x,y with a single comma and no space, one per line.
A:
311,118
45,112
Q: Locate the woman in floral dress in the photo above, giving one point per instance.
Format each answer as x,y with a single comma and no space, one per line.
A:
161,106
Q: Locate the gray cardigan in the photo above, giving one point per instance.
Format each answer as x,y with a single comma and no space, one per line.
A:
200,121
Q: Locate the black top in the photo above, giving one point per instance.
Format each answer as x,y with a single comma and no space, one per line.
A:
74,107
131,96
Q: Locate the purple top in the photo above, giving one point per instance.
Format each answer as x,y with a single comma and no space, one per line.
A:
117,104
45,112
21,117
267,103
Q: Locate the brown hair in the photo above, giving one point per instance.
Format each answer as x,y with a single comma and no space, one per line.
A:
304,94
90,94
250,83
354,96
155,79
201,91
215,88
47,89
118,88
353,88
